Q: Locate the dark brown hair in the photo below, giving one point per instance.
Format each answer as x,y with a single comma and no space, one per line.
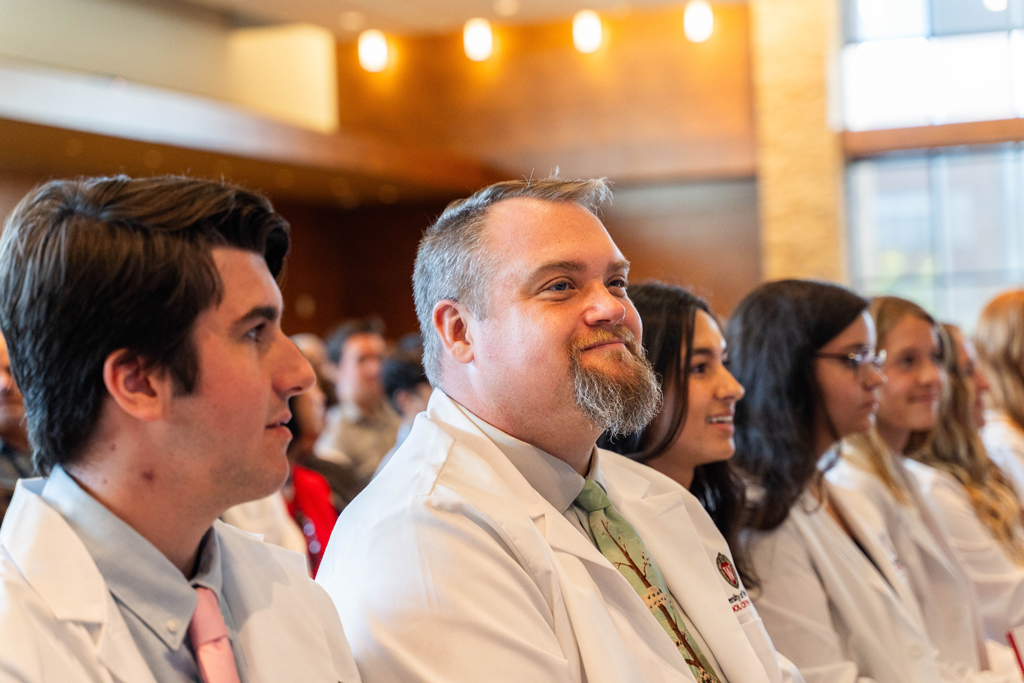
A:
95,265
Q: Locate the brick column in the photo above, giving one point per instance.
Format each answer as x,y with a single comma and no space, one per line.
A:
800,161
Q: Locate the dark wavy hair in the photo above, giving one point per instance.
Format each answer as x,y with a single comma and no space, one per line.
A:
669,314
94,265
773,335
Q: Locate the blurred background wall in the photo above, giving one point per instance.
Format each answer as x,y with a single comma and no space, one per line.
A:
782,138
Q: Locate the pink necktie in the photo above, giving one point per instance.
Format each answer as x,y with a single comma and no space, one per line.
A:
210,640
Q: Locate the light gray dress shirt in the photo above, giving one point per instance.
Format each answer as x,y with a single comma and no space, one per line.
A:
559,484
155,599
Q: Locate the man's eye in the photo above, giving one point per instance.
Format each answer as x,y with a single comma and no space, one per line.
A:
559,287
256,332
618,282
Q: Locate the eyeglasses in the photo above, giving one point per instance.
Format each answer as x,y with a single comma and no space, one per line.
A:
858,362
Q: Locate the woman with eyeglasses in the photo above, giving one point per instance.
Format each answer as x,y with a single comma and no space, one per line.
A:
829,588
977,507
874,465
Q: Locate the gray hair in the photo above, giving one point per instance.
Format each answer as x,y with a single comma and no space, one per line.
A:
452,261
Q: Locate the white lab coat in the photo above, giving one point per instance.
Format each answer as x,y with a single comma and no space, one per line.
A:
1004,442
998,581
829,609
60,624
940,584
465,573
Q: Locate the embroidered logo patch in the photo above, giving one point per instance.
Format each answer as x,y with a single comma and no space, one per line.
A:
728,571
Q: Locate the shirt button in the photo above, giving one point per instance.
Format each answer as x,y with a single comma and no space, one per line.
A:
916,651
172,625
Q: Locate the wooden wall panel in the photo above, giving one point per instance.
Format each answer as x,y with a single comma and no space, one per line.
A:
647,105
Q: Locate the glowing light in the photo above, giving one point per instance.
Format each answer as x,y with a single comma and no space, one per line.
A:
477,39
698,21
586,31
373,50
994,5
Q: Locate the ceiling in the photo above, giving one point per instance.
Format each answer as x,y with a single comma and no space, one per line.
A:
347,17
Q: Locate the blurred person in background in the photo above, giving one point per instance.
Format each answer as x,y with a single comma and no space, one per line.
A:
310,499
975,503
408,391
874,464
1000,343
315,351
363,427
15,452
826,584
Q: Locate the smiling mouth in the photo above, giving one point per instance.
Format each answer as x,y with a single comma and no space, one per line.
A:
280,423
610,342
720,420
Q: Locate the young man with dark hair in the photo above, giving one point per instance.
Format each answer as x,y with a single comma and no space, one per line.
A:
143,321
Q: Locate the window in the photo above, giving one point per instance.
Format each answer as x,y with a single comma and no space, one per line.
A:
940,228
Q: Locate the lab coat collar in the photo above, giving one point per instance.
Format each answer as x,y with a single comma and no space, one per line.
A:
55,562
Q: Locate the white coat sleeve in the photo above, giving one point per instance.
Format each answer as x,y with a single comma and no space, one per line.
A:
997,580
795,610
436,595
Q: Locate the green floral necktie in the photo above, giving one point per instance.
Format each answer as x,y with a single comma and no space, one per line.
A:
621,544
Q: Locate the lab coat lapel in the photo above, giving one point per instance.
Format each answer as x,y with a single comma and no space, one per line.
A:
57,565
664,524
561,535
883,560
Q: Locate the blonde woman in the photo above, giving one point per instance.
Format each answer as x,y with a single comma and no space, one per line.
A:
977,508
873,464
1000,340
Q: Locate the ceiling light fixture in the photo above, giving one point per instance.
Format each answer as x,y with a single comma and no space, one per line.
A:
477,39
698,21
586,31
994,5
373,50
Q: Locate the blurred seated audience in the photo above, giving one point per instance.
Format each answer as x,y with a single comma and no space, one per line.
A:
15,453
873,464
1000,343
408,392
362,428
976,505
317,490
315,351
827,586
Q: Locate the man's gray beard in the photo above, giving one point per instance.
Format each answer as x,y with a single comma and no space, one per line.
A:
618,405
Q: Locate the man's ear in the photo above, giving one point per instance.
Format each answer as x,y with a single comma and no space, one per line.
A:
451,320
137,387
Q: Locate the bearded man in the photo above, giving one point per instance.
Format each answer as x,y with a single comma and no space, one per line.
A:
500,544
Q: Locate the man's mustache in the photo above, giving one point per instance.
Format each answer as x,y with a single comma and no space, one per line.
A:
603,336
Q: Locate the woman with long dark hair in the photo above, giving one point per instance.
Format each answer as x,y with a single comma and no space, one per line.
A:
829,589
691,439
